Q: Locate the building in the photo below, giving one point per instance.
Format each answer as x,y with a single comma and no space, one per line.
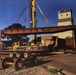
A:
46,40
65,18
0,41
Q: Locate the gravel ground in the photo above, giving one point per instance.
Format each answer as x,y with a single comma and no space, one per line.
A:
38,70
58,65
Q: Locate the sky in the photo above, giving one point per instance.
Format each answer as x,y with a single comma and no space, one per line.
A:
11,9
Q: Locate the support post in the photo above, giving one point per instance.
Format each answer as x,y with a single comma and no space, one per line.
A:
33,15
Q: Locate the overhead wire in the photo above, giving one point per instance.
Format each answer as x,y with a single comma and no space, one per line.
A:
21,14
28,12
43,14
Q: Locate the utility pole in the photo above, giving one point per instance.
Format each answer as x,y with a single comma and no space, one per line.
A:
33,15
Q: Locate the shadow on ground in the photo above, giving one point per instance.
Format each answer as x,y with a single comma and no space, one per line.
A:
34,62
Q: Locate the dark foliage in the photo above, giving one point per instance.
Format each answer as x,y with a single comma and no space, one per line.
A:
16,26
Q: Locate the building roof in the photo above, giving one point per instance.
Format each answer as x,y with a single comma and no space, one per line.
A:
69,10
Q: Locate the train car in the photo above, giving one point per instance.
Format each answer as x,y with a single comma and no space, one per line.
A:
70,45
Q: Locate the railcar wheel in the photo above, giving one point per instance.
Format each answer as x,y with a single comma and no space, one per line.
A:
18,64
7,62
17,55
26,55
11,55
34,60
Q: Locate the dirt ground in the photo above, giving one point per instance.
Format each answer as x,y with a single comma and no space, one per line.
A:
65,63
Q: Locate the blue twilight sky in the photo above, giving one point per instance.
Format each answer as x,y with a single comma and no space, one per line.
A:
11,9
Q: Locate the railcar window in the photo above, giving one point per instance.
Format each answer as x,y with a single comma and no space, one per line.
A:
14,44
17,43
